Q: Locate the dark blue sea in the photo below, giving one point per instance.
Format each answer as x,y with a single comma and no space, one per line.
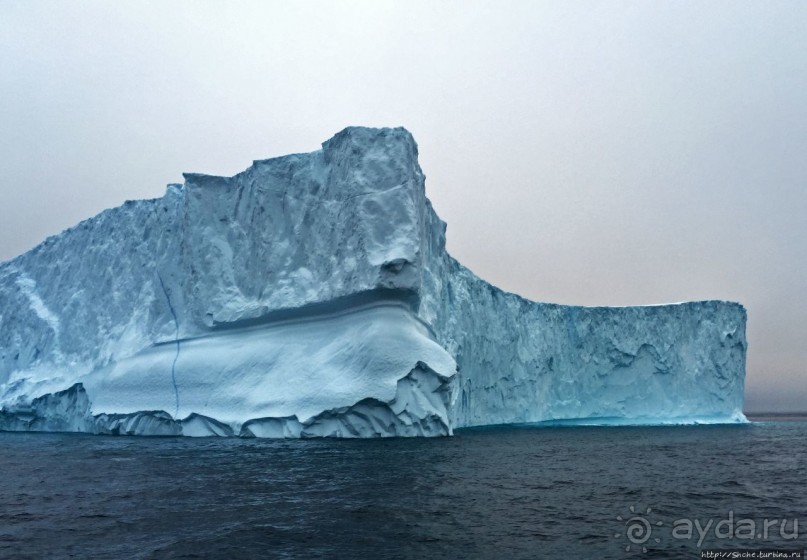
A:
559,492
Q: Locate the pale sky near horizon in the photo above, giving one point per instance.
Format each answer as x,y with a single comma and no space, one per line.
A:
595,153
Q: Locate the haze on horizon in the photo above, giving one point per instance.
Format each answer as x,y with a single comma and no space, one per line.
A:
594,153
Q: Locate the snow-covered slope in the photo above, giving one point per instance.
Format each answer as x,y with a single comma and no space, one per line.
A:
311,295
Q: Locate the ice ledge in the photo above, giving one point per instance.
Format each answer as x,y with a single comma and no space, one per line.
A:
420,408
735,418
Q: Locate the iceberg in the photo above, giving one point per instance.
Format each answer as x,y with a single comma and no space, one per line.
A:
312,295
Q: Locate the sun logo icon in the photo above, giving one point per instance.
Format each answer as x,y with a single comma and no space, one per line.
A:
638,528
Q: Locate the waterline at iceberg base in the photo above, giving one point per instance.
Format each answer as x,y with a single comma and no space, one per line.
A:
312,295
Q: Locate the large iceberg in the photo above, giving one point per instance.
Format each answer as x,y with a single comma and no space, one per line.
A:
312,295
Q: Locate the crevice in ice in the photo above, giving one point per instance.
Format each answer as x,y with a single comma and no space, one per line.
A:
176,341
336,307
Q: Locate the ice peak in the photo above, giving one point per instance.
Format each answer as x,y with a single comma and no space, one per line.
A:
362,139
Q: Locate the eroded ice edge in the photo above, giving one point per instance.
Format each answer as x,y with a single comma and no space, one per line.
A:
311,295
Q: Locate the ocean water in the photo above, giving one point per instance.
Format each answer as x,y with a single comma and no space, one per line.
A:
560,492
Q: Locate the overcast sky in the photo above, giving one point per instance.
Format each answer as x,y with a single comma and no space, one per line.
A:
597,153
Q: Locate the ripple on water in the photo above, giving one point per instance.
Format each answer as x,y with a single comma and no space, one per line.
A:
523,493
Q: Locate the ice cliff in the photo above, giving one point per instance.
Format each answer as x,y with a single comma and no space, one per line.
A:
312,295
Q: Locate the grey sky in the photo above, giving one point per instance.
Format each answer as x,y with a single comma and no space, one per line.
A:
581,152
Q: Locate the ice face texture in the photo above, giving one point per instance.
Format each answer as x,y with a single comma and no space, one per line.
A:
312,295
